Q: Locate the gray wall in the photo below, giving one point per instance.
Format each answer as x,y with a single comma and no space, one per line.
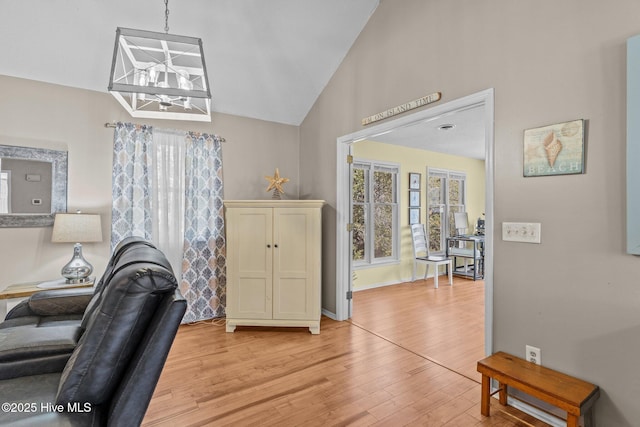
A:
576,295
41,115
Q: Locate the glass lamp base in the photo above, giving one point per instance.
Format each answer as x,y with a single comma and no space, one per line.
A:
78,269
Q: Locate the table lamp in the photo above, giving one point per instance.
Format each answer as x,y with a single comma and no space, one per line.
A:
77,228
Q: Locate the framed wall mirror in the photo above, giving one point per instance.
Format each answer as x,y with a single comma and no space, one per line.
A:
33,186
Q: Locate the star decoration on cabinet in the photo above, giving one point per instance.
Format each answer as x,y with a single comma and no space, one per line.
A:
275,184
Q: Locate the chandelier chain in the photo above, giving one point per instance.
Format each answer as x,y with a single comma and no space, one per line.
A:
166,16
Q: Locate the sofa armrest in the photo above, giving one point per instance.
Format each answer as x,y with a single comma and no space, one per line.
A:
19,310
53,302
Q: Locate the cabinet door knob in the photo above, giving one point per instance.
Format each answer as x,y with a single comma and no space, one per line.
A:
268,246
275,246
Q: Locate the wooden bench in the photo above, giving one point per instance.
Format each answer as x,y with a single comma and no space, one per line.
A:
563,391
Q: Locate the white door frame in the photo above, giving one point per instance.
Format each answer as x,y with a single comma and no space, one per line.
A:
343,255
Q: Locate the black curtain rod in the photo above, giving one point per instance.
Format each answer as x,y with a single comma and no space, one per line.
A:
113,125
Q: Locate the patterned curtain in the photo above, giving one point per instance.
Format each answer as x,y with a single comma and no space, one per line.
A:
143,206
131,182
203,281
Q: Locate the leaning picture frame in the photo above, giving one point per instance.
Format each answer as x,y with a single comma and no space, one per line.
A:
555,149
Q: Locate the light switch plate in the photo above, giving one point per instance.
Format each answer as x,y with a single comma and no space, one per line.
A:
526,232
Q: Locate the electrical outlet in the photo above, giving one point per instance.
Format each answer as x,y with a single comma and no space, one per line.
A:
526,232
533,354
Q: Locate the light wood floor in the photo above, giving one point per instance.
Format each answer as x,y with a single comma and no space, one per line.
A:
347,375
445,325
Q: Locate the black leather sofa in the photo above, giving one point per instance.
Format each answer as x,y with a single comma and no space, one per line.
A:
39,334
123,339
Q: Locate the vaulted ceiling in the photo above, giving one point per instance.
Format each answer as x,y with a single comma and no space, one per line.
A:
266,59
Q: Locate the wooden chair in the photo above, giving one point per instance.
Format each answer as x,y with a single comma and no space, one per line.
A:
421,255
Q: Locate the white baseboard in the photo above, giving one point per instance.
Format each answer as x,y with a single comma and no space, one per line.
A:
333,316
380,285
532,410
536,413
329,314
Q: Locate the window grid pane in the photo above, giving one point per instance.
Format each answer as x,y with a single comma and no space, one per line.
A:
383,234
435,223
445,195
360,183
375,212
435,191
359,232
383,188
454,192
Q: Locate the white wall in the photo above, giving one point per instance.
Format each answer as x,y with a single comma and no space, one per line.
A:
577,294
42,115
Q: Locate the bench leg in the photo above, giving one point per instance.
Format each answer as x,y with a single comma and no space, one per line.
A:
484,401
502,394
572,420
588,418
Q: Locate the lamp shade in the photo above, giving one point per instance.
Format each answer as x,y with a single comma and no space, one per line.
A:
76,228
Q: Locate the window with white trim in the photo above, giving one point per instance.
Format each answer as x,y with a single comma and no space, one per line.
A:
446,194
375,212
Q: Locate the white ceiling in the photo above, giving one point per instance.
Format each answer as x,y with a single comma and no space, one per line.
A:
466,138
266,59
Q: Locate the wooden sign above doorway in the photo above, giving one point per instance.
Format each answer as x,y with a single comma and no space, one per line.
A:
403,108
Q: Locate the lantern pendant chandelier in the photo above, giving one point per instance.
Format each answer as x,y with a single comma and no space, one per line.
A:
160,75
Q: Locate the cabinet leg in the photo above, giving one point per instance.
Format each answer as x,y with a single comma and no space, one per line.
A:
230,327
315,330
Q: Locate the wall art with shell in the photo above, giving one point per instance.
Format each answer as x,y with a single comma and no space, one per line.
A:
555,149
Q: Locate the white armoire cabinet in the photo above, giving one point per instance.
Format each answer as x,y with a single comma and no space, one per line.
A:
274,253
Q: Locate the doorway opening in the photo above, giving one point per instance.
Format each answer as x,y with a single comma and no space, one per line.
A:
482,101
